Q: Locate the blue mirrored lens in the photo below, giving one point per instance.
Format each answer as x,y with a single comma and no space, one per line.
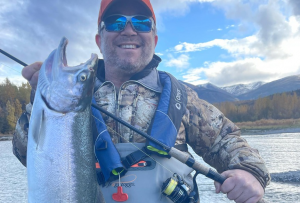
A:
115,23
141,23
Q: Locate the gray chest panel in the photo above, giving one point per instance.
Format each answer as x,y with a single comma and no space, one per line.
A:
143,184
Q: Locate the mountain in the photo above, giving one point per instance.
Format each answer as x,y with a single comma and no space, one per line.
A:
214,94
286,84
239,89
211,93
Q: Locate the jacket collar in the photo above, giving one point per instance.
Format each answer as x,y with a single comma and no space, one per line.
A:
148,77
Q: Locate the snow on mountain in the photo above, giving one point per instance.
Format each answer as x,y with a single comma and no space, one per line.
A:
242,88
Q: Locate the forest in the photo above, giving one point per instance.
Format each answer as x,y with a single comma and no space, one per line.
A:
278,106
13,100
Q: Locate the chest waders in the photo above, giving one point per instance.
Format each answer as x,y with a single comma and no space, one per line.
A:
142,177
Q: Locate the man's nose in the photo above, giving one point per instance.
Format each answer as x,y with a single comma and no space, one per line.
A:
128,30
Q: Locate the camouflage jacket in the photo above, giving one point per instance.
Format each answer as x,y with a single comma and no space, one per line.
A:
211,135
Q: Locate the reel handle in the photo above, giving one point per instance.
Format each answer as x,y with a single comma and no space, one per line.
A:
191,162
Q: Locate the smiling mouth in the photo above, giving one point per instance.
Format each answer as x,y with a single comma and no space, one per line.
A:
129,46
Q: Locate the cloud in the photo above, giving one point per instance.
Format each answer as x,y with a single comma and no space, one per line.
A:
13,73
159,54
180,6
296,6
230,26
221,73
180,62
274,27
274,31
14,79
243,71
236,47
32,29
193,76
269,53
172,7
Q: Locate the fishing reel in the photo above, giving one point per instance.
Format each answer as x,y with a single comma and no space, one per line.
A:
176,190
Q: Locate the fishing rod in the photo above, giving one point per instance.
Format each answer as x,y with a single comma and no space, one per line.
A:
13,58
173,152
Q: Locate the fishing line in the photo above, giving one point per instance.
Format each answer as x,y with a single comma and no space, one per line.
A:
9,67
134,146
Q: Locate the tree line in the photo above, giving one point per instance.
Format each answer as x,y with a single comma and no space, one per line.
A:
13,100
278,106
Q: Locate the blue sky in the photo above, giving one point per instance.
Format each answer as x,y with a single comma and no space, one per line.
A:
224,42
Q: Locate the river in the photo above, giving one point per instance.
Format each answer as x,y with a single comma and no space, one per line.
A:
280,151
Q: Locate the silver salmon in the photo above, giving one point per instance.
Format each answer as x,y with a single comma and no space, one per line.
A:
60,153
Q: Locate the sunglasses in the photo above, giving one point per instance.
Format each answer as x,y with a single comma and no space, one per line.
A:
117,23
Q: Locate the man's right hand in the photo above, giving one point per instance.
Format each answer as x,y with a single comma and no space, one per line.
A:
31,73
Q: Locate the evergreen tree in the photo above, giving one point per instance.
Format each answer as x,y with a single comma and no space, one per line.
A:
24,94
5,127
1,119
18,109
10,116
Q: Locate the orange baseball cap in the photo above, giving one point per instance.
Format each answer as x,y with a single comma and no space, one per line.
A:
105,4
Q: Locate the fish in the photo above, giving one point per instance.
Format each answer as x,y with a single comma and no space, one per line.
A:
60,150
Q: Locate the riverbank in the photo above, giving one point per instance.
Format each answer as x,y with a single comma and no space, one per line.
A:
269,126
5,137
269,131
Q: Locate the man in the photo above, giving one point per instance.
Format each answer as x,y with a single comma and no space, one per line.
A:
129,86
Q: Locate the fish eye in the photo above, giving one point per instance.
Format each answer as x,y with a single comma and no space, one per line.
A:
82,77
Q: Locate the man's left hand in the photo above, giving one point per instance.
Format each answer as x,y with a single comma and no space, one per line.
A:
240,186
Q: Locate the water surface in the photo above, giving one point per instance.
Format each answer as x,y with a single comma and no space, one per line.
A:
280,151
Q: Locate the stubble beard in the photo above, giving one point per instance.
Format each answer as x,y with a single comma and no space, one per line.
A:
126,64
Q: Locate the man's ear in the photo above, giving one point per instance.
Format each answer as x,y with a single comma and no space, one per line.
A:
98,41
156,40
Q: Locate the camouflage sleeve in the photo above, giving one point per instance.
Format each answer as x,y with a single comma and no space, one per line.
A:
219,142
20,136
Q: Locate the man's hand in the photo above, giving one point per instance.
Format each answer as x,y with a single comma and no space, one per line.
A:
31,73
240,186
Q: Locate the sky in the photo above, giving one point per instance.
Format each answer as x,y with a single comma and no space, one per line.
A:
223,42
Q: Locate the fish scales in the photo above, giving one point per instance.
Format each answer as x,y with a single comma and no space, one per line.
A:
60,154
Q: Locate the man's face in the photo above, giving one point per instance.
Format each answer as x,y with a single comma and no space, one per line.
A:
128,50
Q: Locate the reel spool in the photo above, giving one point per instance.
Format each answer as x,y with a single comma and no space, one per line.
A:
175,189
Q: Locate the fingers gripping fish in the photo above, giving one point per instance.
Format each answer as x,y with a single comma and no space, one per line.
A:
60,155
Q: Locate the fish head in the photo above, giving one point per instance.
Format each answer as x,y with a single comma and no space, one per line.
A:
65,88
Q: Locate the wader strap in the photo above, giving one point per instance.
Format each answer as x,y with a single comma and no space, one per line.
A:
182,147
139,155
135,157
100,176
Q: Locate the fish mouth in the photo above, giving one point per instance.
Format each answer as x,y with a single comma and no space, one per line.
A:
64,57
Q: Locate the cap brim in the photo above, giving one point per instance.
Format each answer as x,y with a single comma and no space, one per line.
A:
149,13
